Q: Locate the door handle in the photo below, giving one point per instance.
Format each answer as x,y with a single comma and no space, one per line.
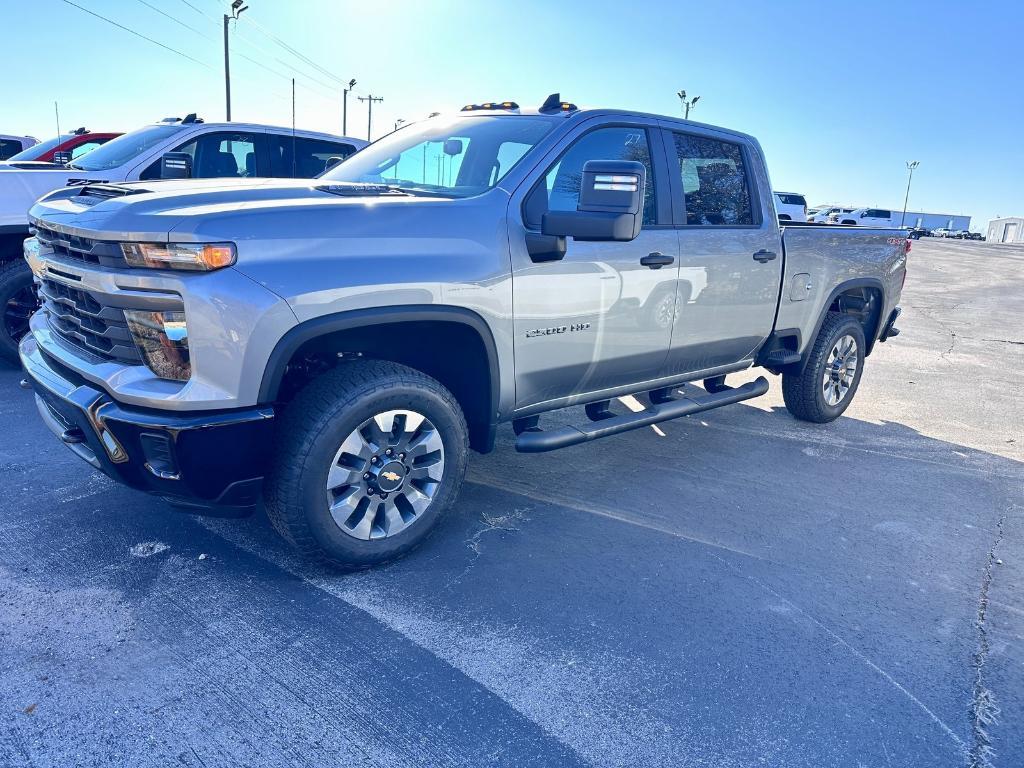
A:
657,260
764,255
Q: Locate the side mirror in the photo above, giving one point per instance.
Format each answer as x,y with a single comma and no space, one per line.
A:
610,206
62,158
176,165
333,161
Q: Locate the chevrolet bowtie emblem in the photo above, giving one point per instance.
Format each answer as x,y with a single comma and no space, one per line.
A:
394,477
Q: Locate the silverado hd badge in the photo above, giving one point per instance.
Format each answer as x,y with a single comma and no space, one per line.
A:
533,332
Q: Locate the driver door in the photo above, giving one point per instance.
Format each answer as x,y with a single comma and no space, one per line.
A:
596,319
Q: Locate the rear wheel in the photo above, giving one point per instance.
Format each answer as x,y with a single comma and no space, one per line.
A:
18,300
826,385
369,457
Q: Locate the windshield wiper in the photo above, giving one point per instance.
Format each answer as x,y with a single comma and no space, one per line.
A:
74,167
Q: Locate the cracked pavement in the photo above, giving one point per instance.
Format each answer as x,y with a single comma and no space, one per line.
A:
742,589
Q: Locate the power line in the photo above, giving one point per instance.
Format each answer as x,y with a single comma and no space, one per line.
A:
139,34
200,11
175,19
295,52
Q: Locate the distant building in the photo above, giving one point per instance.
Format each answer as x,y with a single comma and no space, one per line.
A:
1006,230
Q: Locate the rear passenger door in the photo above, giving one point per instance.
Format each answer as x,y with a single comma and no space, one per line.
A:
730,257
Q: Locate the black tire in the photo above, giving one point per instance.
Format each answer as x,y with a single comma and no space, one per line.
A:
804,392
17,302
310,432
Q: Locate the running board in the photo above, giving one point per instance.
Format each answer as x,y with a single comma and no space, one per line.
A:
538,441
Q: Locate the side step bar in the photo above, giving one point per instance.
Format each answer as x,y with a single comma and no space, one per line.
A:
538,441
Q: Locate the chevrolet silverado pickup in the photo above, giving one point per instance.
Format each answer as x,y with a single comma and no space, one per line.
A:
194,148
335,347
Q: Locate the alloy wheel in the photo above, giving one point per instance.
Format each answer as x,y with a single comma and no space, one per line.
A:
840,370
385,474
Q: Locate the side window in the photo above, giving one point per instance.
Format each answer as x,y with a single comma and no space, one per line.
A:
8,148
215,155
81,149
715,183
303,158
562,182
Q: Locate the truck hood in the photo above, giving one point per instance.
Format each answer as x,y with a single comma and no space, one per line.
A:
215,209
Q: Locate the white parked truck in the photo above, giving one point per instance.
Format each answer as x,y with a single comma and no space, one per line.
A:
172,148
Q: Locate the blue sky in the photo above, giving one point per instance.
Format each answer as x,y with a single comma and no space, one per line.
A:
840,95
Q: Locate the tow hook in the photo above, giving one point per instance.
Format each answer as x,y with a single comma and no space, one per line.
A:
24,384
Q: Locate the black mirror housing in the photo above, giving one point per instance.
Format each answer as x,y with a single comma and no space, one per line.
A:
176,165
610,205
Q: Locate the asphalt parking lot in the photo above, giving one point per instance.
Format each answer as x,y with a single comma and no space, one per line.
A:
743,589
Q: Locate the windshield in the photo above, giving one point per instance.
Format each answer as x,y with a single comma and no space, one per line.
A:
119,151
459,157
38,149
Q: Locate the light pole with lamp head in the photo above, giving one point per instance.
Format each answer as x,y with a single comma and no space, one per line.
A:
911,165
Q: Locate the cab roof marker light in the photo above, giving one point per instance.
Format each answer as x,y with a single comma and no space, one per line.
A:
554,103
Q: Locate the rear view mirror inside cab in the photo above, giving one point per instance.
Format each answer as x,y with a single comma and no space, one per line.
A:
453,147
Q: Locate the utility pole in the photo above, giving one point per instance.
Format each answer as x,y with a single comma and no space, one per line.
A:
236,11
344,106
686,105
369,112
910,167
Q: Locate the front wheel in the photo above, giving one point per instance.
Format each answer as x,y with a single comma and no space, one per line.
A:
368,458
18,300
826,385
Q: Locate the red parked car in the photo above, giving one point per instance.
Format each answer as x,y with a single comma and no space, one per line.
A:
77,143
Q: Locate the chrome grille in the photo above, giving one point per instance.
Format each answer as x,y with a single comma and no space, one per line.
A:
82,320
82,248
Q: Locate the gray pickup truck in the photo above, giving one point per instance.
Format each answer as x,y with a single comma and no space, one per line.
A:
336,346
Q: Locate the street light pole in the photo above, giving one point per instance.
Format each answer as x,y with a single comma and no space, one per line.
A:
686,105
344,106
910,167
369,112
236,11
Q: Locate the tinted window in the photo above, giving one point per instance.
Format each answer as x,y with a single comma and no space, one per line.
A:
877,213
563,180
304,158
8,148
215,156
792,200
715,181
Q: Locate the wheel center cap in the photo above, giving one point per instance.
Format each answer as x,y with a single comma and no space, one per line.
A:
391,476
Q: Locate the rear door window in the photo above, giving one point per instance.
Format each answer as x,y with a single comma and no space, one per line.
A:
300,157
716,188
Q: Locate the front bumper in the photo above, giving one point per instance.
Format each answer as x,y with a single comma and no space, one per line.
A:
202,458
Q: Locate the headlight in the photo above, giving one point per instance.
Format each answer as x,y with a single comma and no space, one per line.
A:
162,339
201,257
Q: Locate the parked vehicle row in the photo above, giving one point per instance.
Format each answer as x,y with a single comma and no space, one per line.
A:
58,150
173,148
336,346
